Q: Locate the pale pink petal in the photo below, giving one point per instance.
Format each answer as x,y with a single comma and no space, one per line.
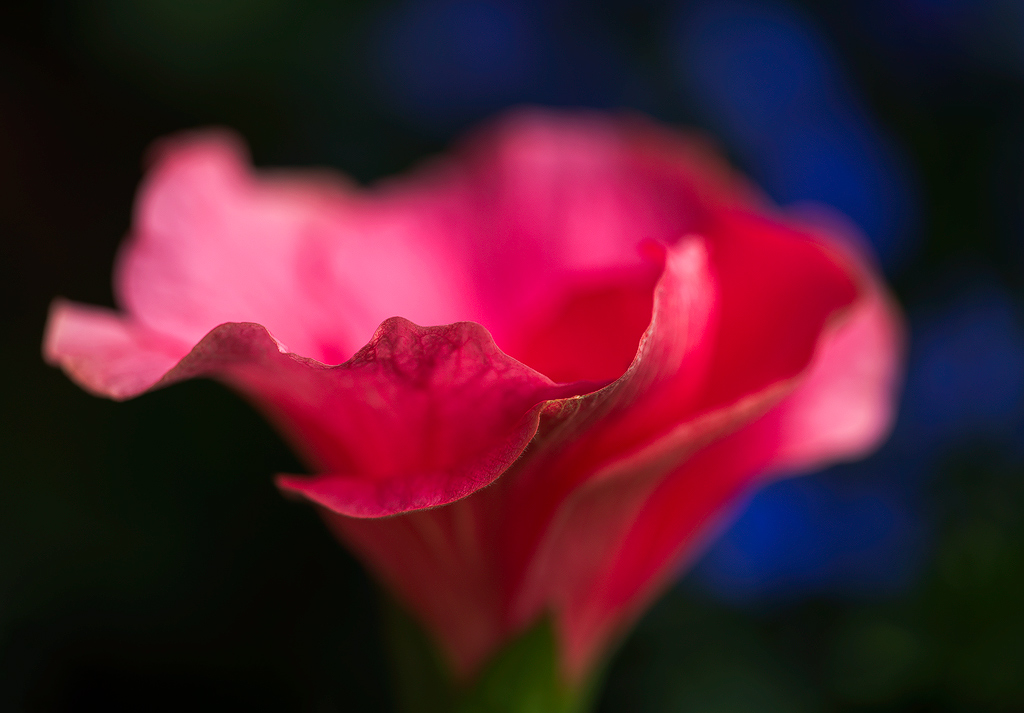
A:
106,353
844,407
309,258
548,209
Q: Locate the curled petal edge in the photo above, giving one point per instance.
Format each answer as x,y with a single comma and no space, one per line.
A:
839,408
106,353
482,406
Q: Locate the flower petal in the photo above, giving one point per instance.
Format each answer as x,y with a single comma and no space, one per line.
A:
598,458
548,208
842,406
552,208
537,229
420,417
310,258
775,291
457,567
106,353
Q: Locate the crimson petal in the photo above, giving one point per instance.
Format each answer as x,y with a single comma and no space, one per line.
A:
419,417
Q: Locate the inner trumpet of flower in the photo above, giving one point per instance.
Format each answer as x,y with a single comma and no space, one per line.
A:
590,331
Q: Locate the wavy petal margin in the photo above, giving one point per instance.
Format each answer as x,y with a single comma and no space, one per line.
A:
418,418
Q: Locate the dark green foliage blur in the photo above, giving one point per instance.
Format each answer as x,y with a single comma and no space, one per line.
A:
953,643
147,562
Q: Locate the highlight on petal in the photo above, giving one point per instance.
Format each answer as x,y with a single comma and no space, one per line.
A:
844,405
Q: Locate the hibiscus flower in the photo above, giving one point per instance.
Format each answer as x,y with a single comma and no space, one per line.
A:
530,379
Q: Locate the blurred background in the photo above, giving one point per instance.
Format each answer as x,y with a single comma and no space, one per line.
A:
147,562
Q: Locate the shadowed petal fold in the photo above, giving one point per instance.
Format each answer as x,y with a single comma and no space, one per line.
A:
420,417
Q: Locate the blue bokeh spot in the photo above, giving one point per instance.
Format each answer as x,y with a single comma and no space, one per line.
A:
860,527
966,375
762,74
447,63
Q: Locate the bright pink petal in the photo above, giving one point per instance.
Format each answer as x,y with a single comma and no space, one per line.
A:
106,353
591,331
764,332
553,208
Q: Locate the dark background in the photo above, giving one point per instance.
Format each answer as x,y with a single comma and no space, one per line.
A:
148,564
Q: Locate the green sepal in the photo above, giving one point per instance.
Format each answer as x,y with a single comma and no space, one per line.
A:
524,677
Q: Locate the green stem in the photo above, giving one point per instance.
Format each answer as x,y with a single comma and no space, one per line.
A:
524,677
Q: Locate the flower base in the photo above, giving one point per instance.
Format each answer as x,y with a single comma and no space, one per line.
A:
524,677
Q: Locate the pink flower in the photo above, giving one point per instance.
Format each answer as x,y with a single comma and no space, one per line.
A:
630,339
